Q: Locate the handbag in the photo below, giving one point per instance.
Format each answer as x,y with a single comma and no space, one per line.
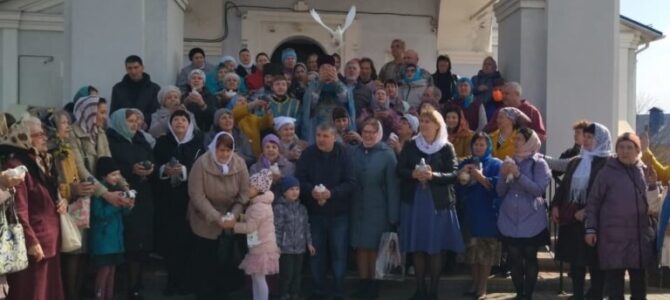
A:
70,234
13,253
390,264
80,211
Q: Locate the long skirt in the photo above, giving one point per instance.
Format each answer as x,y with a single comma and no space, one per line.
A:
40,281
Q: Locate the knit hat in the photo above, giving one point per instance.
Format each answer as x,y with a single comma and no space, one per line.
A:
105,166
228,58
270,138
288,52
262,180
288,182
413,122
326,59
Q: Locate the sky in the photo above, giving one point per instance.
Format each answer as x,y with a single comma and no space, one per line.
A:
652,63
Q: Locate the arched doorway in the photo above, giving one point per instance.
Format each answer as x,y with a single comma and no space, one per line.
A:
303,46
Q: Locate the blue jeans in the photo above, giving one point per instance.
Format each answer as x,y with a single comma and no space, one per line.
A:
329,232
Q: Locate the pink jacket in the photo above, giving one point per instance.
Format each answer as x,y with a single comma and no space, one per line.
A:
259,218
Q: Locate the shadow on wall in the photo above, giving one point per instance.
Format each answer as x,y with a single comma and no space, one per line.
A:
303,46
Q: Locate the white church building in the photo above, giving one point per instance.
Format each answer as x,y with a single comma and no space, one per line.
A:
574,58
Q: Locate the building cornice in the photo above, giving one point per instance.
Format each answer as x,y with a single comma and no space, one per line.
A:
31,21
505,8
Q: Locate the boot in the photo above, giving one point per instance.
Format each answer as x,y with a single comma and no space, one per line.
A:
361,290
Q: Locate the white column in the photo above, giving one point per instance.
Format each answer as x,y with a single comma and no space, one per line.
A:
9,63
582,66
522,47
100,34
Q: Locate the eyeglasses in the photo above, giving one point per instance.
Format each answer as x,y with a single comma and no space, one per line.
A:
38,135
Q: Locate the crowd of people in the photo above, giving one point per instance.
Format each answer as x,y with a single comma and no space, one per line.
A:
254,168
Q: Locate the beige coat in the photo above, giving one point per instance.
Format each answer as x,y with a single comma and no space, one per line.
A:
87,154
213,194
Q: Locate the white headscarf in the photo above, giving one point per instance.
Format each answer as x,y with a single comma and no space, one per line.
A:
580,179
225,167
439,142
189,131
279,122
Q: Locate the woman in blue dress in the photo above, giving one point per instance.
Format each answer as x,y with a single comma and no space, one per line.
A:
428,222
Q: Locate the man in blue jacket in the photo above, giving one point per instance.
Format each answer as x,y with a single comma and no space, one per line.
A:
327,180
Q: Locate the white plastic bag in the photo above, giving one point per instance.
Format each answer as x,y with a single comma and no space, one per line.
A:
70,234
390,264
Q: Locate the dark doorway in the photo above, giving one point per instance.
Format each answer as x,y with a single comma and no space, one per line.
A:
303,46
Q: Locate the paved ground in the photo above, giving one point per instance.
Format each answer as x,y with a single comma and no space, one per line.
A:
452,286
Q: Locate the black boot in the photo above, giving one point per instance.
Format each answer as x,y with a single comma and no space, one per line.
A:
361,291
373,290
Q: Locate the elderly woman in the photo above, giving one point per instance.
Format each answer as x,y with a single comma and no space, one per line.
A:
216,81
413,86
197,58
134,156
218,184
230,92
380,108
272,158
478,177
569,205
290,146
428,221
459,131
198,99
617,223
375,207
473,109
73,188
509,120
483,83
522,220
299,82
225,122
169,98
175,154
37,204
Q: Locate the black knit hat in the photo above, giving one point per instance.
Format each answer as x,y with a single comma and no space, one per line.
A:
326,59
105,166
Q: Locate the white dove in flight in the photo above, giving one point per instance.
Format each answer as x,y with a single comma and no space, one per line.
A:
338,33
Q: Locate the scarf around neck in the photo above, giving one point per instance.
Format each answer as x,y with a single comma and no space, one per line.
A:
580,179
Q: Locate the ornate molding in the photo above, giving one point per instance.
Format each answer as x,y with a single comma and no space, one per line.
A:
505,8
31,21
10,19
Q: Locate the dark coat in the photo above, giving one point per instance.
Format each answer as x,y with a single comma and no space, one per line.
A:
242,72
141,95
376,202
139,223
617,211
340,179
443,163
571,246
203,118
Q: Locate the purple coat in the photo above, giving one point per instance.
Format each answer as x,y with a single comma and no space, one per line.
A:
617,210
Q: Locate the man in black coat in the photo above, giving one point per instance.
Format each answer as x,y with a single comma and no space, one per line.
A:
327,181
136,90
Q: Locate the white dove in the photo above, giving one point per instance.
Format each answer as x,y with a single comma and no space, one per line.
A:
338,33
17,172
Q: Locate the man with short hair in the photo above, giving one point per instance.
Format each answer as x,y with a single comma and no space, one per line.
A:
312,63
246,66
432,94
327,194
512,97
358,91
391,70
136,90
198,61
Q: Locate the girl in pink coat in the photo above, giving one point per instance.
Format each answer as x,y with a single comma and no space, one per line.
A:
263,256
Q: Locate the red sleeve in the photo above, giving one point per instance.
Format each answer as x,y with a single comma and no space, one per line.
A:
492,125
538,124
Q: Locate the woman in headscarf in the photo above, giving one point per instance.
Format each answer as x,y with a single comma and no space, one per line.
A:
413,86
38,206
376,203
509,120
568,209
478,177
290,146
175,154
299,82
73,188
429,224
255,81
224,121
273,159
522,220
169,98
459,131
444,79
473,109
134,156
617,221
380,109
216,81
198,99
218,184
483,83
230,93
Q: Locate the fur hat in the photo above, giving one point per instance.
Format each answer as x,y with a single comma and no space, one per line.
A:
105,166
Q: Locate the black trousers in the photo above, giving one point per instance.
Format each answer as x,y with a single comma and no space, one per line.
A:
616,283
578,281
290,273
213,280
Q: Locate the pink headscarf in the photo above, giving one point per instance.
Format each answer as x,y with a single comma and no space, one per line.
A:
531,146
378,136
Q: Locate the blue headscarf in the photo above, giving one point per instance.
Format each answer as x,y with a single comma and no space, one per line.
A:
117,122
417,73
468,99
489,146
